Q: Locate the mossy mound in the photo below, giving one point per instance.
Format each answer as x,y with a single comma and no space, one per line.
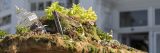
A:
55,43
78,37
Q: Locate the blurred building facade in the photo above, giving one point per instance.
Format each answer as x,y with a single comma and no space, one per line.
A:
133,22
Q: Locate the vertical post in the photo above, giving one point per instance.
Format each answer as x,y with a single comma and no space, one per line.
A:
57,23
152,41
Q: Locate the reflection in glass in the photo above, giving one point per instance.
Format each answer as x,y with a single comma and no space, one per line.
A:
157,16
133,18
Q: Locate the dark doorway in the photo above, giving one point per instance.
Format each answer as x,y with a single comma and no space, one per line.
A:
136,40
139,44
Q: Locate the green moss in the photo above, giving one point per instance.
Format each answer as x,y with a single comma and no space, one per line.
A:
66,37
70,45
92,49
103,35
104,50
111,50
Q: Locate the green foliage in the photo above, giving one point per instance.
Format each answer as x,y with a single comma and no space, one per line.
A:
85,15
21,29
3,33
76,11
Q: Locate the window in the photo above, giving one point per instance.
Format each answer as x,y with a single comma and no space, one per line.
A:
41,6
76,1
48,3
133,18
157,16
5,20
70,3
33,6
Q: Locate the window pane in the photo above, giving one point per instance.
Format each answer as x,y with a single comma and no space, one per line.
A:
69,3
157,16
133,18
5,20
41,6
33,6
48,3
76,1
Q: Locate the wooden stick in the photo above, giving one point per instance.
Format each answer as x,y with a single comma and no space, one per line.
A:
57,23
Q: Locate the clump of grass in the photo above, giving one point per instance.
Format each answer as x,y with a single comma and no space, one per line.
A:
22,29
2,33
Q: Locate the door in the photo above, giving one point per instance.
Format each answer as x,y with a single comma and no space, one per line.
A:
157,42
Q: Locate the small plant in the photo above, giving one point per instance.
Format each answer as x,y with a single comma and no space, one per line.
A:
85,15
21,29
2,33
54,7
